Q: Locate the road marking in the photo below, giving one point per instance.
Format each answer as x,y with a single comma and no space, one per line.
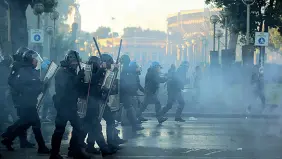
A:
212,153
192,150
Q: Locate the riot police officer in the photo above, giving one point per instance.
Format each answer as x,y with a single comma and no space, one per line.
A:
17,64
152,84
130,84
175,84
92,124
27,83
67,86
113,139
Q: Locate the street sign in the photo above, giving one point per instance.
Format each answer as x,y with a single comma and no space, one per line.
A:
262,39
36,36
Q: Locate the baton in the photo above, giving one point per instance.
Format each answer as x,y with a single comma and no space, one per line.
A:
97,46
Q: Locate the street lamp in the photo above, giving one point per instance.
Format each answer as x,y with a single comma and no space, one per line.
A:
219,34
38,9
225,14
54,16
248,3
214,19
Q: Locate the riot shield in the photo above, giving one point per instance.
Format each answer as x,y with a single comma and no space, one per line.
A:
82,103
87,71
52,69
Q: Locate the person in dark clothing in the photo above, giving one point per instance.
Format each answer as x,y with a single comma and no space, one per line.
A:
92,124
257,82
113,139
152,84
67,87
28,84
17,64
130,84
175,85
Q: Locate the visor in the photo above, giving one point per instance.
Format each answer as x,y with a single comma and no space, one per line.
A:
37,57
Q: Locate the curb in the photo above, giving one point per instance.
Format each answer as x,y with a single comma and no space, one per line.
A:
217,115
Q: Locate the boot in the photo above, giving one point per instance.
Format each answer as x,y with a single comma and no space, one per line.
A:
162,119
43,150
120,141
26,144
141,118
56,156
133,120
179,119
106,151
6,142
91,149
137,128
81,155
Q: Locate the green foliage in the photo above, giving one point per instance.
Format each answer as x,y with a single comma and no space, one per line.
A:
237,17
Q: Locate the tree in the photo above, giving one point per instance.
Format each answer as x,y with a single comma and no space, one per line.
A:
102,32
237,10
17,8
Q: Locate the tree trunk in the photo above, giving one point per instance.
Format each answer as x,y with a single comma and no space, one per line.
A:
19,33
233,41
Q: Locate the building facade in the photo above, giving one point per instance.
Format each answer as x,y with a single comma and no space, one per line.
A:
189,33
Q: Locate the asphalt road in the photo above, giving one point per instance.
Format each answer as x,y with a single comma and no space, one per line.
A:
196,139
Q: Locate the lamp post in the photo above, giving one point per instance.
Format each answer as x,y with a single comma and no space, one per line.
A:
214,19
54,16
248,3
38,9
225,14
219,35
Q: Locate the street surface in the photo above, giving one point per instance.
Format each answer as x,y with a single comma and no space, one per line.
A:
204,138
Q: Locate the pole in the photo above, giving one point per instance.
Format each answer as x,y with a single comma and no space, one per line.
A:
218,43
214,36
226,36
248,24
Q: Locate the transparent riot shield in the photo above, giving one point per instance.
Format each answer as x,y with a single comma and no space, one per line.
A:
52,69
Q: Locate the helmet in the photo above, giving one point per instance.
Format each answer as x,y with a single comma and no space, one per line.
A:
185,64
124,59
19,54
94,60
155,64
107,58
71,56
31,55
133,66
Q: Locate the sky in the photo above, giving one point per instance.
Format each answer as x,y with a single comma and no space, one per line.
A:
150,14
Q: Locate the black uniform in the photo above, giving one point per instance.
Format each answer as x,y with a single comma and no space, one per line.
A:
175,84
67,87
130,84
27,83
257,81
152,84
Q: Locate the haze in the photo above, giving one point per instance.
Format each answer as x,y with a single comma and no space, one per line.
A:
145,13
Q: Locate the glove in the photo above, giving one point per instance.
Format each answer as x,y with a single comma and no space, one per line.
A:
80,76
81,73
